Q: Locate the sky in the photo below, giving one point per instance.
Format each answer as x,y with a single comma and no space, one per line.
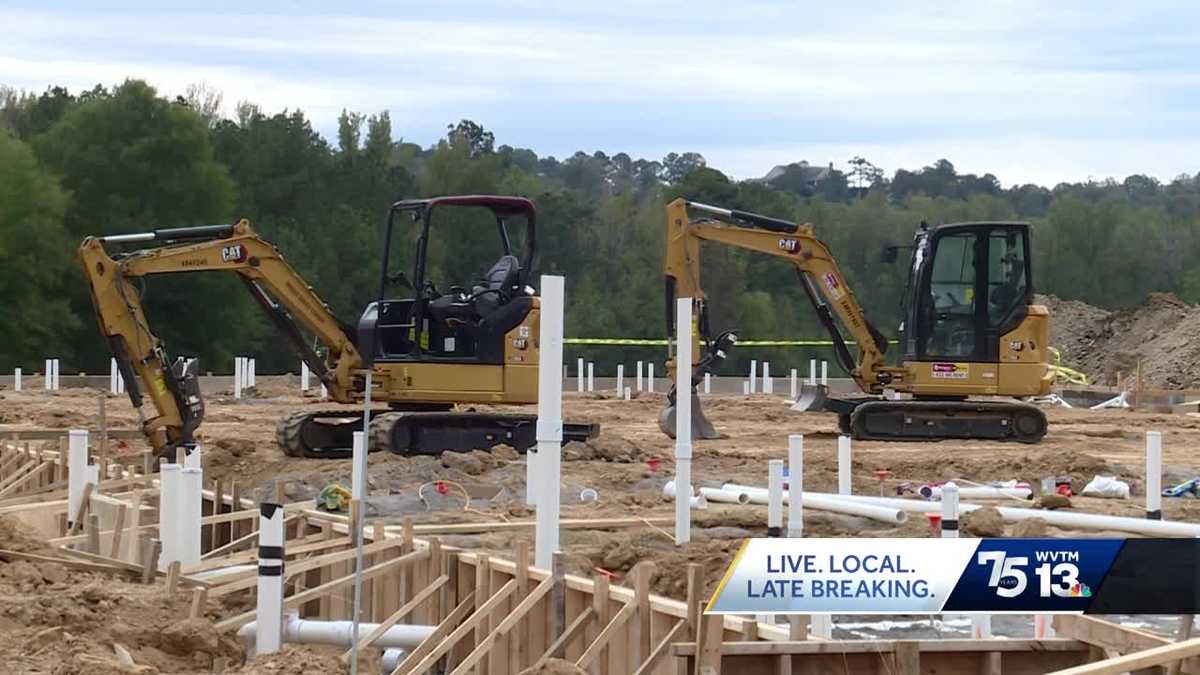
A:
1038,92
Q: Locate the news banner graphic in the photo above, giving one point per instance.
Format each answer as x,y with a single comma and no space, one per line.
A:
932,576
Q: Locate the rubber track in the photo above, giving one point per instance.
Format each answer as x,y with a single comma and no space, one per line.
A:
952,410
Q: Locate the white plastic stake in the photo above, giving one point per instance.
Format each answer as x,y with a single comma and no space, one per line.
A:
640,386
169,524
77,462
950,511
579,376
237,377
683,421
768,385
650,377
812,371
1154,475
49,376
628,394
591,377
745,387
253,377
549,424
775,498
16,379
304,376
825,373
795,485
190,486
753,376
112,376
358,478
708,383
620,378
845,486
793,396
269,617
120,382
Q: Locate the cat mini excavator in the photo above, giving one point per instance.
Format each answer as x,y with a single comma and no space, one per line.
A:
426,354
971,335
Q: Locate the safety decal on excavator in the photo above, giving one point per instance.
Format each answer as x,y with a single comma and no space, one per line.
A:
950,371
832,283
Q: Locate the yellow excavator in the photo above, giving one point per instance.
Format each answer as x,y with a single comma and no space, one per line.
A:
426,354
970,337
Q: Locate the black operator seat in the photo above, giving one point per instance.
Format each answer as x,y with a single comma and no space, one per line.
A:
498,286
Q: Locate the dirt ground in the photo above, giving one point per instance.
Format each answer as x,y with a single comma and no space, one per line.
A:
239,445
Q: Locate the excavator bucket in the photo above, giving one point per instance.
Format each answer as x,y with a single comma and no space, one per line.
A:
702,429
811,397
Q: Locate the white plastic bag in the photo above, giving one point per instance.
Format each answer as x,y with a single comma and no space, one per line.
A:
1107,486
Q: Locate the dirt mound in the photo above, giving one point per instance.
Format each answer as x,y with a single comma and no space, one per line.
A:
16,537
555,667
302,660
1159,333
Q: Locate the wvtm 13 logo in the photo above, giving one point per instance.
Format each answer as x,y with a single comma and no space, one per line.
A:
1057,574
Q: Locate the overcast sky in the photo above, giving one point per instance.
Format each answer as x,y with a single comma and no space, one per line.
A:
1085,89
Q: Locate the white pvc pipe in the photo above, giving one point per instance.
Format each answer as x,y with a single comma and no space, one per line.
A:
768,386
54,367
358,467
812,371
237,377
793,390
640,385
169,494
825,373
1154,475
591,376
304,372
191,483
796,483
267,628
827,502
628,394
950,511
821,626
745,388
210,575
49,376
845,486
683,420
549,423
120,382
16,379
338,633
694,501
620,378
720,496
193,457
934,492
708,383
753,376
650,377
253,372
1059,518
112,376
775,497
77,462
579,376
392,657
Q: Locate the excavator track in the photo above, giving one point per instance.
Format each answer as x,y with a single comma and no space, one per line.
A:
329,434
883,420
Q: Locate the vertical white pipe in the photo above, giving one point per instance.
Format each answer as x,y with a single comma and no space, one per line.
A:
169,526
77,462
591,376
237,377
745,387
56,382
628,393
1154,475
579,376
120,382
49,376
620,378
825,373
193,458
845,485
549,424
768,385
793,390
190,486
753,375
324,392
821,626
812,371
253,372
650,377
269,617
16,379
640,386
112,376
358,479
795,485
950,511
304,376
708,383
775,498
683,421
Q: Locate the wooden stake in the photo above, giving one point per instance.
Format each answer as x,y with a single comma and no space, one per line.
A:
114,550
172,578
708,647
199,601
908,657
1184,634
84,500
558,597
93,533
517,647
151,548
135,524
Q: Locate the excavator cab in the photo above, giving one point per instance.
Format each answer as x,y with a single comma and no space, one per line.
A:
461,323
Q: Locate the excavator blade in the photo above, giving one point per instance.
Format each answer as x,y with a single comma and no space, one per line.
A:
811,397
702,429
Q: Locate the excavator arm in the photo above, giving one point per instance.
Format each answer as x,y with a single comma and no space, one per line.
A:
172,388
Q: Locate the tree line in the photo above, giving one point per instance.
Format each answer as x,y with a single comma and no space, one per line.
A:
126,159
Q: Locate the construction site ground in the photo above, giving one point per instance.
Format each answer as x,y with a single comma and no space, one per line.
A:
631,460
